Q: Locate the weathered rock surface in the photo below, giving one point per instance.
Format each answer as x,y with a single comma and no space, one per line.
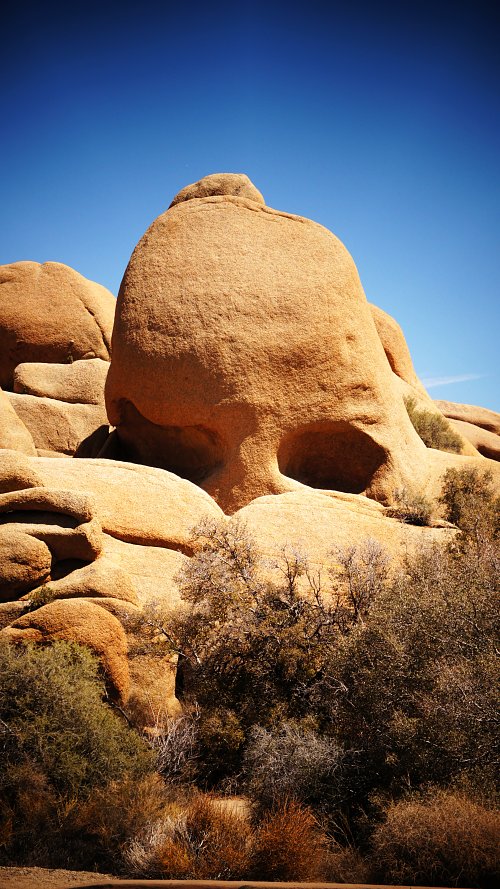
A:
57,426
81,382
316,523
63,520
395,347
151,569
236,184
100,579
137,504
17,472
469,413
74,620
486,442
13,433
25,562
246,358
50,313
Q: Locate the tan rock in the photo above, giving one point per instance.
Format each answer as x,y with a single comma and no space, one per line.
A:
81,382
316,523
487,443
151,569
137,504
98,580
50,313
246,359
25,562
57,425
17,472
63,520
469,413
74,620
395,347
236,184
13,433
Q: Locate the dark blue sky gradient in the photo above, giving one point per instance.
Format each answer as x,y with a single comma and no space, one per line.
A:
379,120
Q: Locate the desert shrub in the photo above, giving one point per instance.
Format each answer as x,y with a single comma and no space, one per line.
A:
93,833
174,742
290,761
433,428
469,501
60,741
255,633
290,845
54,716
412,695
411,507
42,595
198,841
444,840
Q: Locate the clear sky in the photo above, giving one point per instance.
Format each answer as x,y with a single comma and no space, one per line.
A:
379,120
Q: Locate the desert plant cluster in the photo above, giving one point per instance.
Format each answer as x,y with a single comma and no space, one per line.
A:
338,726
434,429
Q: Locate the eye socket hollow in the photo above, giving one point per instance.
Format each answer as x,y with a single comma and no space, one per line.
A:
191,452
334,455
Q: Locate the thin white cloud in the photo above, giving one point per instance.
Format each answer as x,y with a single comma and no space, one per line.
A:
432,382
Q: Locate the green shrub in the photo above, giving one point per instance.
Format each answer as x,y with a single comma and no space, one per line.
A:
444,840
54,716
468,500
60,741
411,507
433,428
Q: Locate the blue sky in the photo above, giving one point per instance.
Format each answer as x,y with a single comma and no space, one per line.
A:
379,120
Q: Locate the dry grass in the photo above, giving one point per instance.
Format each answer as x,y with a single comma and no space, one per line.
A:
444,840
290,845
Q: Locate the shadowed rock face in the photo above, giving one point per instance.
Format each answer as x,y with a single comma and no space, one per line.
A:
246,359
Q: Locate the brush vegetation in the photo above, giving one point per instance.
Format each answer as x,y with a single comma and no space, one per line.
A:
354,716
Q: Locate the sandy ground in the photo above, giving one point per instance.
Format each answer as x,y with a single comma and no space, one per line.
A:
44,878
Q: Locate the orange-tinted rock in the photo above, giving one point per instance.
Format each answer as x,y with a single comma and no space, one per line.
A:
469,413
81,382
50,313
17,472
25,562
13,433
99,579
236,184
65,521
487,443
246,359
74,620
57,425
395,347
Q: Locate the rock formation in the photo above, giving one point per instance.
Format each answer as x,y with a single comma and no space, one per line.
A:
50,313
241,364
249,380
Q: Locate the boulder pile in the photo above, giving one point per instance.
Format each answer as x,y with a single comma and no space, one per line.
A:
243,376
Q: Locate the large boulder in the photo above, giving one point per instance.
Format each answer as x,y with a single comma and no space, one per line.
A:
57,426
14,435
74,620
395,347
25,562
469,413
50,313
486,442
81,382
246,359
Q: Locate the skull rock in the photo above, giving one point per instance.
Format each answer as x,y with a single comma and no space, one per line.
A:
246,359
